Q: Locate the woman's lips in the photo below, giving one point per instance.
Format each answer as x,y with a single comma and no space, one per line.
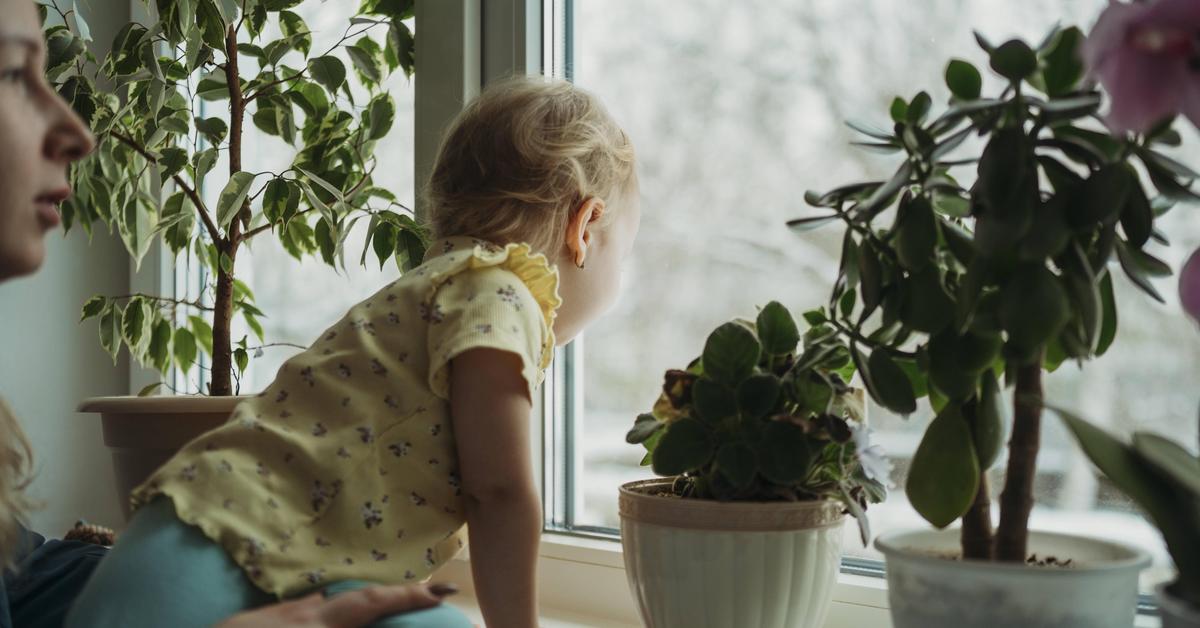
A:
47,207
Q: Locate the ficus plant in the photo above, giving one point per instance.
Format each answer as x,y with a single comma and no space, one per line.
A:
765,415
175,94
963,287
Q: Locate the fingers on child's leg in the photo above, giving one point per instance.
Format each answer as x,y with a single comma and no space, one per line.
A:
356,608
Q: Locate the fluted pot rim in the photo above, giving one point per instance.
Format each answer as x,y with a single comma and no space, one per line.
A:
638,503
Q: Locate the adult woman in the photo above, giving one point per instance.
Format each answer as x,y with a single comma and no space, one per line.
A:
39,137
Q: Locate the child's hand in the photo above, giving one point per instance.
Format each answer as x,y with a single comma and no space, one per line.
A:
353,609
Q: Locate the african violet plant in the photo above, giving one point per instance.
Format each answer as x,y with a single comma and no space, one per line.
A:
152,106
765,415
1008,276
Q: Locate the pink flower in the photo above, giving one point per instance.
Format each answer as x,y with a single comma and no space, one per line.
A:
1146,56
1189,286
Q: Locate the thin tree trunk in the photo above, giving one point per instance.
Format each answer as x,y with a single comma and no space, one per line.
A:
977,536
222,365
1016,501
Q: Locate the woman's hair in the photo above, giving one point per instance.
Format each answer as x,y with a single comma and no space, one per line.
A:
15,475
521,157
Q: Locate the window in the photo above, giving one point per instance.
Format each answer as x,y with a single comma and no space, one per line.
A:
736,109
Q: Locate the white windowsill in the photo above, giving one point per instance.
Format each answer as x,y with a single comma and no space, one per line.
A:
582,584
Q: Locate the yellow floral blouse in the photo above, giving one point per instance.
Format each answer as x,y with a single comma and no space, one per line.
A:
345,466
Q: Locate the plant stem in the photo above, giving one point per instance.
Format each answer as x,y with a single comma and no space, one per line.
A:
977,536
222,369
1016,501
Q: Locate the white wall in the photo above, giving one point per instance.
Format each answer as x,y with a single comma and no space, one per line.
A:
49,362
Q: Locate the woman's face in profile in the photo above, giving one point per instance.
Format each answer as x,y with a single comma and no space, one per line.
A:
39,137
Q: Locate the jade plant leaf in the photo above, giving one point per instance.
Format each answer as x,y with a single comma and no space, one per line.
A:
944,476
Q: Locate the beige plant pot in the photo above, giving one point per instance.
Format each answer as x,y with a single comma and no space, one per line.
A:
144,432
708,564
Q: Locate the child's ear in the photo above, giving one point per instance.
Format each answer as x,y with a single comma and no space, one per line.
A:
579,233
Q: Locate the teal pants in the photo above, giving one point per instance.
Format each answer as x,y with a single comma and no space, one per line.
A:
164,572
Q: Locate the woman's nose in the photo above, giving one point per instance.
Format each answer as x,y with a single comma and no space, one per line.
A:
69,139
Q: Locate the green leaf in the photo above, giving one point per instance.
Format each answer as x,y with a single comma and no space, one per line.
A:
918,108
926,306
241,358
366,57
1062,64
159,351
232,197
944,476
1137,217
1014,60
185,349
410,247
643,428
1170,460
899,110
93,308
916,233
963,80
136,323
1137,267
889,384
203,333
213,86
402,46
293,27
1034,308
204,162
172,161
380,115
110,329
737,462
150,389
757,395
275,199
730,353
777,329
329,71
712,400
326,241
1101,198
987,422
213,129
1108,325
686,445
784,453
384,242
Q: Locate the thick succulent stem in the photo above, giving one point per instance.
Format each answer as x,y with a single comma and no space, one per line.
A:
1016,502
977,535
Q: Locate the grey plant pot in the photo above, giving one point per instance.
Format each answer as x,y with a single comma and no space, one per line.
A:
929,588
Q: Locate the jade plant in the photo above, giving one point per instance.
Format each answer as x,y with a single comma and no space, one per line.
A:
179,93
766,415
966,285
1163,479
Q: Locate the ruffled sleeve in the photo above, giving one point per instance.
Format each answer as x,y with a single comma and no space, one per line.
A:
485,296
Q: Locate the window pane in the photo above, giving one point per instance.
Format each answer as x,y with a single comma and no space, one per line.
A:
302,298
736,109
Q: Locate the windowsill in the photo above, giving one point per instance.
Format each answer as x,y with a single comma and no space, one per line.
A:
582,584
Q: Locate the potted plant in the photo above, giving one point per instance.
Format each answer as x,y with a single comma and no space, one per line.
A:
1163,479
764,448
1007,278
155,157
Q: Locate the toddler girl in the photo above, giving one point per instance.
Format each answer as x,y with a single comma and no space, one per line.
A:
410,417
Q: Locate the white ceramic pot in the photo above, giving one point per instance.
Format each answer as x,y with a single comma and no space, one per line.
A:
708,564
144,432
928,587
1175,612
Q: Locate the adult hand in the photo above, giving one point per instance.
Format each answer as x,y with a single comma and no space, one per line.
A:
352,609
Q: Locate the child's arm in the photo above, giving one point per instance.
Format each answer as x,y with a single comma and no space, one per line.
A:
490,409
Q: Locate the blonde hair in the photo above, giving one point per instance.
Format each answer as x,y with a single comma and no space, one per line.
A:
521,157
15,475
